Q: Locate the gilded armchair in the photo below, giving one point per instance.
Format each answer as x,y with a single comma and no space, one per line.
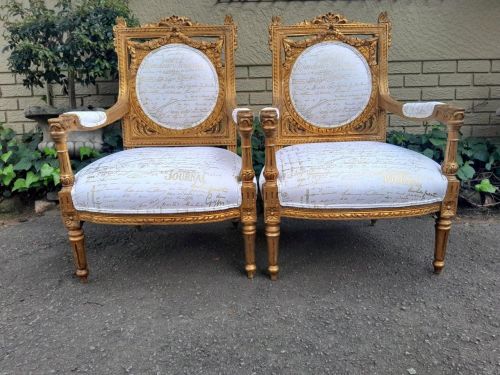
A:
177,106
326,156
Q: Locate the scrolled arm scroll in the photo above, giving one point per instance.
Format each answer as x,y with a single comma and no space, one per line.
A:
91,120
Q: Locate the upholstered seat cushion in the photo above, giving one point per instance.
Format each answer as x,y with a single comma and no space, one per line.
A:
160,180
356,175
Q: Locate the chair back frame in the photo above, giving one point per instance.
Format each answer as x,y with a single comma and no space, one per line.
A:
133,44
371,123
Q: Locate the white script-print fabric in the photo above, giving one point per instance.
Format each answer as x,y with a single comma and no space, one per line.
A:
89,119
330,84
356,175
177,86
419,109
160,180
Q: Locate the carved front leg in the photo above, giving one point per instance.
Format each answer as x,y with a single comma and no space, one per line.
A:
58,130
448,210
269,119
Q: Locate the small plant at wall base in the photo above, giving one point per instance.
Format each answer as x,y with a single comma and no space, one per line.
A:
72,42
29,173
24,169
478,160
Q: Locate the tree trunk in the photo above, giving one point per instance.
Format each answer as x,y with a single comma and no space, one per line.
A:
71,88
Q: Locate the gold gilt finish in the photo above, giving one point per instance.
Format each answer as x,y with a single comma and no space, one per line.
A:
139,130
290,128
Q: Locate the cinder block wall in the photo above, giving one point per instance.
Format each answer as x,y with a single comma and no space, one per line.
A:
444,50
471,84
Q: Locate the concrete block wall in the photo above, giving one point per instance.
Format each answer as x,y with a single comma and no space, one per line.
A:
471,84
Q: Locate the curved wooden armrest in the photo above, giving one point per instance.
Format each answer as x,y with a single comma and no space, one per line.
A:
89,120
424,110
453,117
59,129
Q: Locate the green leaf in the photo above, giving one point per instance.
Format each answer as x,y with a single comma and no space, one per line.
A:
88,152
23,165
31,179
438,141
19,185
6,156
480,152
56,177
49,151
46,170
485,186
8,175
466,172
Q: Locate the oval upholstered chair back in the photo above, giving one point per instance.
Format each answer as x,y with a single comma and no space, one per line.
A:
327,76
178,77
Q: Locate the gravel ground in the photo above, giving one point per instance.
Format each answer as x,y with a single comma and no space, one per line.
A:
351,299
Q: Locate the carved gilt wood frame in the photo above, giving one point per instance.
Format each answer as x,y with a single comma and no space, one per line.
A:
292,128
218,130
287,127
134,43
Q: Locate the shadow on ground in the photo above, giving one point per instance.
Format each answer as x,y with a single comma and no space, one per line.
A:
351,299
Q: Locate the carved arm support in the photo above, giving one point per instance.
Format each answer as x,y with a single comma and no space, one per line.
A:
269,118
243,117
453,118
59,130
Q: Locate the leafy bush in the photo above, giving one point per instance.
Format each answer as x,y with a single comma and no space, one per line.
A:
23,168
27,171
475,155
71,42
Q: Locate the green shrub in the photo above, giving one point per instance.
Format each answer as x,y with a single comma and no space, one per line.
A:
71,41
475,155
23,168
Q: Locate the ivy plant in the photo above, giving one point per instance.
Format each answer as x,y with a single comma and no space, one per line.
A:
23,168
474,154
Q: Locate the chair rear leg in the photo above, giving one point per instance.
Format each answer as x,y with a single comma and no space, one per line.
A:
443,226
77,241
273,236
249,231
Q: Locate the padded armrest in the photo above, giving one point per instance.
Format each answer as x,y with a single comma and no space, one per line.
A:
271,109
235,113
419,109
89,119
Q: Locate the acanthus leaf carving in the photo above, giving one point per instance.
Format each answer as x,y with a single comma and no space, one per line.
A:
325,19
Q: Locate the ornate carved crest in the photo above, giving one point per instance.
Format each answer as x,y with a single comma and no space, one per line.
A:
211,49
325,19
172,21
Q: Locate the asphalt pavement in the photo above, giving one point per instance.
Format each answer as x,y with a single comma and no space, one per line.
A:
351,299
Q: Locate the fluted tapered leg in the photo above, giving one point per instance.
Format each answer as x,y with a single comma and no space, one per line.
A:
77,240
249,230
443,226
273,237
